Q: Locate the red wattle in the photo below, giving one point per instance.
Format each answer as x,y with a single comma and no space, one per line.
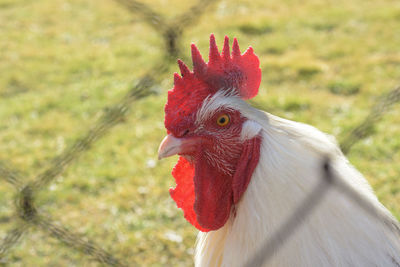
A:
213,193
183,193
205,194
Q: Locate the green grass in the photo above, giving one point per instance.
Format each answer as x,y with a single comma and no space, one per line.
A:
62,62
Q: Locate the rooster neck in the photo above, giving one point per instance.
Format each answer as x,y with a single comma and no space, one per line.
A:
337,233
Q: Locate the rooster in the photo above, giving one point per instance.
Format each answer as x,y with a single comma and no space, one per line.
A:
242,172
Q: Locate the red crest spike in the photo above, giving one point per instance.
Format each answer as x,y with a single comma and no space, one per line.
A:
225,51
214,55
235,49
184,69
199,66
177,79
248,52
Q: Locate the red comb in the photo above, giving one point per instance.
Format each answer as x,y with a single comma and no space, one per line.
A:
235,72
224,71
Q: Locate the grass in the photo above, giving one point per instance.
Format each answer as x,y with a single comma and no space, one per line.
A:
62,62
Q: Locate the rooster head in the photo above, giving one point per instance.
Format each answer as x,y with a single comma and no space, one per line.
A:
219,147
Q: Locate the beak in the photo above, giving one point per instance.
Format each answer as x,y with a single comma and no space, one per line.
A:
169,146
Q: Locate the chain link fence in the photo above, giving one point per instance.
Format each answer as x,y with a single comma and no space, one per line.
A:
171,30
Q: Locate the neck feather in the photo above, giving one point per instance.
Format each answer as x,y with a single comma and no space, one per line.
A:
337,233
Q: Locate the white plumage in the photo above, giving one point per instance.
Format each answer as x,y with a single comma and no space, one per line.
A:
337,233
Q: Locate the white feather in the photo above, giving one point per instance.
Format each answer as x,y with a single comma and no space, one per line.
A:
249,130
337,233
220,100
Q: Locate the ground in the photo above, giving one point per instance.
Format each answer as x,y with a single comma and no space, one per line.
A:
63,62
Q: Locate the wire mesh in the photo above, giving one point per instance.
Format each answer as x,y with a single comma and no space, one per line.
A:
171,31
328,182
25,203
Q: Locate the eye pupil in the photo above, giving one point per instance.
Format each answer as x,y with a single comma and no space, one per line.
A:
223,120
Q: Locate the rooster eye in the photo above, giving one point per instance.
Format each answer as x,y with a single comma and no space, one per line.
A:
223,120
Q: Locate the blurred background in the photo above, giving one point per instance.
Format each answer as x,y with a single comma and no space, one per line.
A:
82,88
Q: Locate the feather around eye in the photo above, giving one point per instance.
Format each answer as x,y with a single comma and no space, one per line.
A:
223,120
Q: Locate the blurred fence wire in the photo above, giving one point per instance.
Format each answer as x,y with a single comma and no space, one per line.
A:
328,182
331,182
171,30
26,210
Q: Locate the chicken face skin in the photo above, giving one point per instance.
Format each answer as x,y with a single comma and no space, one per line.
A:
212,149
